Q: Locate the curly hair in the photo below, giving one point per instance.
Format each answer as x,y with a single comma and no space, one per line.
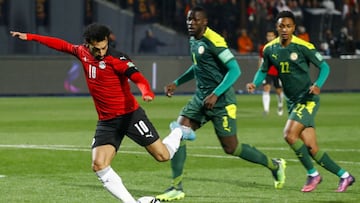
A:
96,32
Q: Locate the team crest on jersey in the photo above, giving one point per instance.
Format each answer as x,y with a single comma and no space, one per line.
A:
102,65
201,49
293,56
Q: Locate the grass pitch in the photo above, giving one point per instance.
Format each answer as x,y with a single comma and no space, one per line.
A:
45,153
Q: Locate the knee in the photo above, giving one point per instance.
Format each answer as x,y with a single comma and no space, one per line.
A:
98,165
229,144
289,136
229,149
162,157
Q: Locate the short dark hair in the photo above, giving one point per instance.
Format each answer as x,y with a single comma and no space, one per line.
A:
96,32
200,9
286,14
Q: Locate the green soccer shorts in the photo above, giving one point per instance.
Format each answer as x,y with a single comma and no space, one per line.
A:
223,117
305,111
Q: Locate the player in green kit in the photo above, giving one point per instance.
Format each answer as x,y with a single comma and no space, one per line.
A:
291,56
215,70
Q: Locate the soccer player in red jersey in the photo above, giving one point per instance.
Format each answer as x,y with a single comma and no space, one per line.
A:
119,113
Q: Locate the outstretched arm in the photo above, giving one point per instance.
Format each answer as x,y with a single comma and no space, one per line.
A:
51,42
20,35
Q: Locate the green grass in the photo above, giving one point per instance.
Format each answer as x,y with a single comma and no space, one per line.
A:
45,153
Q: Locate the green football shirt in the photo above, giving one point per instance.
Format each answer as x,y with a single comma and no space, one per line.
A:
209,55
293,64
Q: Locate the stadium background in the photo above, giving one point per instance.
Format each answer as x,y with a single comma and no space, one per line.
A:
32,69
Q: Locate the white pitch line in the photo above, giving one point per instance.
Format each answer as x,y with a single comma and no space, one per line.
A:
85,149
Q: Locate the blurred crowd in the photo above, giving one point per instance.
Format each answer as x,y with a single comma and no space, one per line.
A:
244,22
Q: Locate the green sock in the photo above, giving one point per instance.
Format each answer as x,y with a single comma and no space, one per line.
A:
303,155
177,164
253,155
323,159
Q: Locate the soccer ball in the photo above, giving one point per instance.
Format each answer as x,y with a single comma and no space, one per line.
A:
148,199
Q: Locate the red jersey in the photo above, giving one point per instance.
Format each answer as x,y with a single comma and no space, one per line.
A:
106,79
272,70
